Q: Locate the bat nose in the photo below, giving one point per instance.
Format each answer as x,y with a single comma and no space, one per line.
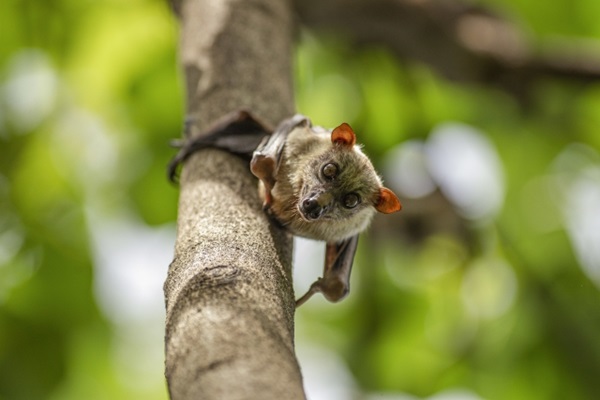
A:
311,208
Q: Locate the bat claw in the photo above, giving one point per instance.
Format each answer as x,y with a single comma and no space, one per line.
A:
314,288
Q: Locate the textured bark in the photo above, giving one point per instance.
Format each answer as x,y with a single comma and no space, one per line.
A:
229,295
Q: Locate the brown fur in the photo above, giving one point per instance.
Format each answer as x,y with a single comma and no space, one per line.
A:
306,151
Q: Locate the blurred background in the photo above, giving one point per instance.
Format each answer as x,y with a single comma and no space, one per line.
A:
486,285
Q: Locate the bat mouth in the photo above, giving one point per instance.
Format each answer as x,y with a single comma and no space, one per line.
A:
309,216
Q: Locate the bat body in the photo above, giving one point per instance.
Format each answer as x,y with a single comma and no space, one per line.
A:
316,183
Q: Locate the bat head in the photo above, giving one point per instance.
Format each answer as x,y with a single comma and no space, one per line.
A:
341,191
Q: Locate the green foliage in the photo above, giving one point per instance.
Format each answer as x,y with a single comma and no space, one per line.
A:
510,309
498,306
88,103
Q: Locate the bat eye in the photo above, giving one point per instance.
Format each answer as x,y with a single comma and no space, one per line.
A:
329,171
351,200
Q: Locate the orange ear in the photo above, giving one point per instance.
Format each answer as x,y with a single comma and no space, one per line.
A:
343,135
388,202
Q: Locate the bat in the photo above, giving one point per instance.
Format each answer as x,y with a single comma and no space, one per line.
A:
314,182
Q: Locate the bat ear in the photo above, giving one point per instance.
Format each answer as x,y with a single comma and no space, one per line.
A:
343,135
388,202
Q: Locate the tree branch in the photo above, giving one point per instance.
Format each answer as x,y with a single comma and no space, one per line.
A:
229,295
462,42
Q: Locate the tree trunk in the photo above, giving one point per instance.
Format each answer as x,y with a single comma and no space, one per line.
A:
229,295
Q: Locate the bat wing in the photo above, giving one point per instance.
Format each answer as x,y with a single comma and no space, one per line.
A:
335,283
238,132
267,156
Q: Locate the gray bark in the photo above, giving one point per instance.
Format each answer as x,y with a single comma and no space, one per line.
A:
229,295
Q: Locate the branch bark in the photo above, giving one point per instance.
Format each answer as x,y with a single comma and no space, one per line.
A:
229,295
462,41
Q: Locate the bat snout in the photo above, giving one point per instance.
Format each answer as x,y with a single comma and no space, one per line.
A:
311,209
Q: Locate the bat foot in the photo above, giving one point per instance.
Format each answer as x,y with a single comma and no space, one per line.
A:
314,288
335,283
332,287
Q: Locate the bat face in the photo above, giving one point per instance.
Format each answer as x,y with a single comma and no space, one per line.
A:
337,194
326,188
